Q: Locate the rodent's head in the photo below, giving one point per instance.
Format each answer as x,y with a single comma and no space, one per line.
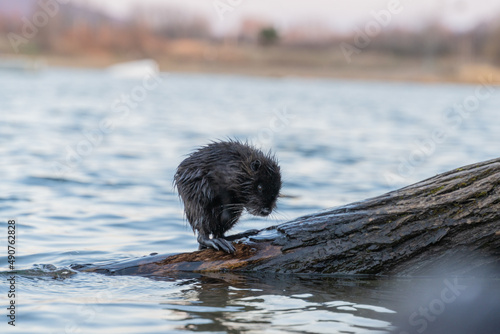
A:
265,185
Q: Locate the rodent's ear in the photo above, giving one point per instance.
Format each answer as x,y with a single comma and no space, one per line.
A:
255,165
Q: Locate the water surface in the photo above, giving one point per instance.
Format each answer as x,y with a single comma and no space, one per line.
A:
87,161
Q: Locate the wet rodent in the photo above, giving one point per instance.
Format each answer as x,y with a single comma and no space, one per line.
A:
218,181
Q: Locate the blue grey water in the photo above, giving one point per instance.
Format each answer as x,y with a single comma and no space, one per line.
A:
86,165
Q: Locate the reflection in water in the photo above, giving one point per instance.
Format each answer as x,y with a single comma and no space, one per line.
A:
227,302
255,303
288,303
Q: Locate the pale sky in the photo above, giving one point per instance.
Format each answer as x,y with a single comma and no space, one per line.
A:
343,15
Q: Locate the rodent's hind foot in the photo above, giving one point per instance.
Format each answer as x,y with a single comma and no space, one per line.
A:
216,243
223,244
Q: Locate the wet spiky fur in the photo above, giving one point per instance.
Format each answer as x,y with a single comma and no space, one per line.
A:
219,180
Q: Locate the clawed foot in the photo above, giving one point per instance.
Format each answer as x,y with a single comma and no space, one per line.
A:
217,244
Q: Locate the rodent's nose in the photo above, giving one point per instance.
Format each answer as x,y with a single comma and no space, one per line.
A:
265,211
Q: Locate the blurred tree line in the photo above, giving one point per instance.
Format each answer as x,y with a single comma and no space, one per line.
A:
77,30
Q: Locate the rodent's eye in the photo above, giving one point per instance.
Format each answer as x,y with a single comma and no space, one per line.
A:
260,188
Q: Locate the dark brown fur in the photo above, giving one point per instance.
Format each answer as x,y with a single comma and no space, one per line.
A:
218,181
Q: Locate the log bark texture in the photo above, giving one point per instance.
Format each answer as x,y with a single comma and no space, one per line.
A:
448,222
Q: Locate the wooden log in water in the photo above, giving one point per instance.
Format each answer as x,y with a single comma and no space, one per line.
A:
453,216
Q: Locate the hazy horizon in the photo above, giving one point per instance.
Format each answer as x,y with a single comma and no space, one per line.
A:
458,15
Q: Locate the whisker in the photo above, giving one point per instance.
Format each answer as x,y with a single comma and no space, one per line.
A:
278,215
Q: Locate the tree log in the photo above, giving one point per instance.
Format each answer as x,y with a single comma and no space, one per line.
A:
448,222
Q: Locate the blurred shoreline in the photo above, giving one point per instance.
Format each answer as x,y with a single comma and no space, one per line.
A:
370,67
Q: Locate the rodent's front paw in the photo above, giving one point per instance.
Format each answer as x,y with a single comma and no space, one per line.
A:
218,244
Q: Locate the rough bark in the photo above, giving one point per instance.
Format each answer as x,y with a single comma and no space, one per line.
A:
448,222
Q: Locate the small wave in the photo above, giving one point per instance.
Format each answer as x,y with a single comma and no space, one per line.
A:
45,180
60,218
105,216
14,199
118,184
126,156
42,270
